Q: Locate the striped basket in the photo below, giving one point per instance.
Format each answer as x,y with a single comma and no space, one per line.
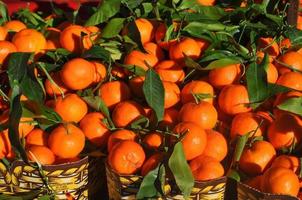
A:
245,192
81,179
126,187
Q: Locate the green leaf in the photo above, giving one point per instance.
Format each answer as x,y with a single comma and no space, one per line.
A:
213,12
98,104
45,197
137,70
97,52
32,19
161,180
293,105
233,174
257,85
181,170
202,96
107,9
221,63
154,93
216,55
17,67
13,123
48,66
113,27
45,116
147,188
241,142
294,35
20,74
4,12
189,62
170,34
277,89
134,35
131,4
31,88
140,123
198,27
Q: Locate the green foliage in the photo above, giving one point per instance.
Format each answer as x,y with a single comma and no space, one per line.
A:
106,10
293,105
154,93
181,170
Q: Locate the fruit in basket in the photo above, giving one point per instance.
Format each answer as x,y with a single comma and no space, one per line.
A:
71,108
40,154
153,140
151,163
126,157
194,141
114,92
285,131
94,128
5,145
15,25
289,61
6,48
207,2
268,45
160,35
172,94
29,40
254,182
136,85
247,123
78,74
186,46
233,99
56,89
146,30
291,80
223,76
272,73
66,141
279,180
197,87
37,137
203,114
25,125
170,118
257,158
126,112
287,161
217,146
169,70
155,49
141,59
118,136
100,72
3,33
209,101
71,38
206,168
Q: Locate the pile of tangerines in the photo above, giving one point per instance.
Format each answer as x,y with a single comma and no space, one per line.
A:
209,112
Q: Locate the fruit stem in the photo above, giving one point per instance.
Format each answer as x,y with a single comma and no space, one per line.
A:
44,178
2,94
50,79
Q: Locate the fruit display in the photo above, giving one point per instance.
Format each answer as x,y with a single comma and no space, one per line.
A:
163,99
